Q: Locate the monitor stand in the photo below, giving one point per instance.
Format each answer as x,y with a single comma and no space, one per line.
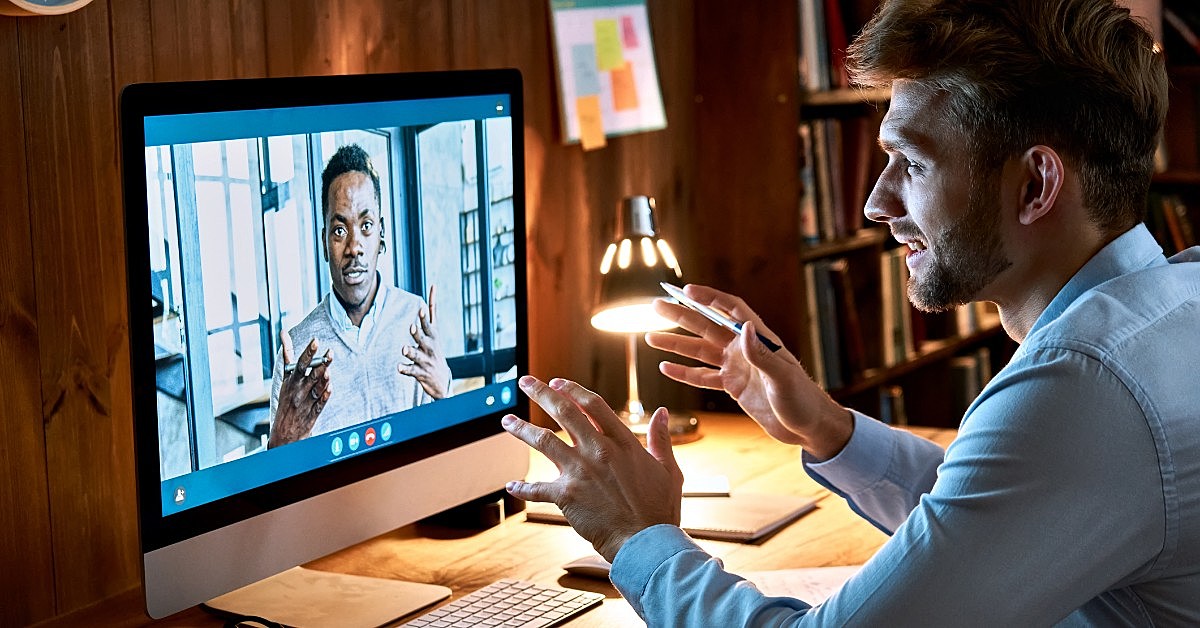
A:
307,598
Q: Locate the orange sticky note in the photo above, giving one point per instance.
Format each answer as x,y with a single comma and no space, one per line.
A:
624,88
591,124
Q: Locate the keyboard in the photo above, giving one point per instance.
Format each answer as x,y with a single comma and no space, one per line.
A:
510,604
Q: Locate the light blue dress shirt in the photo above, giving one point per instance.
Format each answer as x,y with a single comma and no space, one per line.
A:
1070,496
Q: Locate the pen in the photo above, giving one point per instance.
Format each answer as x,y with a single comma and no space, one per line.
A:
315,362
713,315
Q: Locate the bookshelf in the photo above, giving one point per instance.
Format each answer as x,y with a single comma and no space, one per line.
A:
1173,210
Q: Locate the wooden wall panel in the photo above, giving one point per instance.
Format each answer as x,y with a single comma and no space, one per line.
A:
24,496
78,256
316,37
746,92
203,39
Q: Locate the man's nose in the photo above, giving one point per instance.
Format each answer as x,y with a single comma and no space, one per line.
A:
883,204
354,244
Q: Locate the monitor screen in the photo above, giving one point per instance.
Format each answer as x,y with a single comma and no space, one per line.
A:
336,276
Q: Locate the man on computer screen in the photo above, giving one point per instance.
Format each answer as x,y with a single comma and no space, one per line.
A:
378,347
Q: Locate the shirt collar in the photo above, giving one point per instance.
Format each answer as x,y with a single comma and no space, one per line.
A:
1133,250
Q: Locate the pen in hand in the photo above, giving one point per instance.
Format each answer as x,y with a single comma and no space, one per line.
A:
713,315
315,362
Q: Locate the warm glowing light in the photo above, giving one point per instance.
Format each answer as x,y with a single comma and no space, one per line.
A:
625,254
630,319
669,257
606,263
648,254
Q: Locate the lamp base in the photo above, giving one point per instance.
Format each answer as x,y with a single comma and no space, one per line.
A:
682,425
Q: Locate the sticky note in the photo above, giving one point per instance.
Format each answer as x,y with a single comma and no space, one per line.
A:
591,124
583,67
629,32
608,45
624,88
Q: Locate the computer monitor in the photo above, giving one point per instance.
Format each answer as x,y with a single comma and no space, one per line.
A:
382,215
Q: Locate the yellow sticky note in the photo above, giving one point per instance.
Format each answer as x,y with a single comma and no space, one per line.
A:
591,125
624,88
608,45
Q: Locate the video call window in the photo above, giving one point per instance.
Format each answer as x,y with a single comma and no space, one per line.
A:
237,257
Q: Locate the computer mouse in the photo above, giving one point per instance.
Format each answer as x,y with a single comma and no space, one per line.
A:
590,566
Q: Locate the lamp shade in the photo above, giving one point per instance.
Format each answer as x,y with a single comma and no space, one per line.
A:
634,264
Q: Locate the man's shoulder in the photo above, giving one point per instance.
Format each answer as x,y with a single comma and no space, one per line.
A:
316,322
400,302
1136,312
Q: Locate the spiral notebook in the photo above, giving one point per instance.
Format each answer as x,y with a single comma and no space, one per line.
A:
745,517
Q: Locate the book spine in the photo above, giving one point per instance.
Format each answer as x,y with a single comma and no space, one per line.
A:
812,39
816,367
887,317
854,352
830,338
810,230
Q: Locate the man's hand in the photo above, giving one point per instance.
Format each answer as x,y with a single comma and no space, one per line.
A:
609,488
772,387
427,365
302,394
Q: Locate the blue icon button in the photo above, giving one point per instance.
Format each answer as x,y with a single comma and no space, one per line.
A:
505,395
385,432
335,447
352,440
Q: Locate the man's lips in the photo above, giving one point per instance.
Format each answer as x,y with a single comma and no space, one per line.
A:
354,274
912,242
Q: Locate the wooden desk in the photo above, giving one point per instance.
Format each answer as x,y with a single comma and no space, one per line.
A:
732,445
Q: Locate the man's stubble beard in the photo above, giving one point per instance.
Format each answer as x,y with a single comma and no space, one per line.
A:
969,254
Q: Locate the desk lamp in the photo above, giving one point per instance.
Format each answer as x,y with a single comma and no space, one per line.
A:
632,267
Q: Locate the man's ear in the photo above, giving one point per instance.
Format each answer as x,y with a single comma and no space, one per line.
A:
1043,175
324,244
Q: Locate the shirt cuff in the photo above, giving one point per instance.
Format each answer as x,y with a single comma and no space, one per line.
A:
863,462
642,555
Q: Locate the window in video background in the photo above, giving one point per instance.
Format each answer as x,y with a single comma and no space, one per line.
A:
251,209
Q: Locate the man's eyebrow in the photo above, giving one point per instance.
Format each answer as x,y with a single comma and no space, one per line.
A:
905,141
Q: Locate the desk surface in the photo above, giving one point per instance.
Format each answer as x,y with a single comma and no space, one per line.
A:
732,445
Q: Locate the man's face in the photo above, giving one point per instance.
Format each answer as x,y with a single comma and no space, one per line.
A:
948,216
353,235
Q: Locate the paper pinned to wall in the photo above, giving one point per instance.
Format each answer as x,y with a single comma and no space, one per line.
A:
603,49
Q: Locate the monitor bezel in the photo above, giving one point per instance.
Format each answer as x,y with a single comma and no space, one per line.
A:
140,100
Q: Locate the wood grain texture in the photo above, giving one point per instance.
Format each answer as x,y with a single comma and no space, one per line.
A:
315,37
747,116
78,254
24,496
201,39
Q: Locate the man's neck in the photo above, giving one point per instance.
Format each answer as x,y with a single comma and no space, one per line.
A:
357,314
1026,290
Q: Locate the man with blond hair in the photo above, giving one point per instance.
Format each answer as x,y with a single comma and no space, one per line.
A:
1020,139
